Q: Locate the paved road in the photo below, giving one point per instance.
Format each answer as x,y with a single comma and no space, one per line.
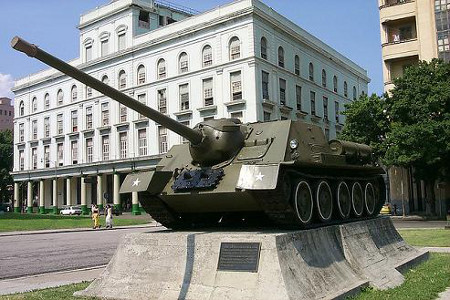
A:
23,255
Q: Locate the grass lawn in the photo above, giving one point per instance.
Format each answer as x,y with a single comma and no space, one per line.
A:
424,282
26,222
426,237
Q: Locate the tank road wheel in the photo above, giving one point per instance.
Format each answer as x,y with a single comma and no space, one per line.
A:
324,201
357,199
344,200
303,202
370,199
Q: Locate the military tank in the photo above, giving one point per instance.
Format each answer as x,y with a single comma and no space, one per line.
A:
284,172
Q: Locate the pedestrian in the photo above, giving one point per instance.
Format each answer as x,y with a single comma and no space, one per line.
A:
95,217
109,216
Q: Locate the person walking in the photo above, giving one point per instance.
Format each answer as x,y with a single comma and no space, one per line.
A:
95,217
109,216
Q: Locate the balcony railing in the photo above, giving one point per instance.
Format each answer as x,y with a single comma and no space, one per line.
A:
399,41
389,3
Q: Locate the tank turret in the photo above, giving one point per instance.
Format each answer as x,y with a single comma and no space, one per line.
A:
284,173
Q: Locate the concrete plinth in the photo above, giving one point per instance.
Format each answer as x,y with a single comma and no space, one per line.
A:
325,263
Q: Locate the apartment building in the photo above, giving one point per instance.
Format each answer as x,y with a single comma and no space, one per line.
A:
6,114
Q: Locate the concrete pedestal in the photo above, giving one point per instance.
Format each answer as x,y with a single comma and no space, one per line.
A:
325,263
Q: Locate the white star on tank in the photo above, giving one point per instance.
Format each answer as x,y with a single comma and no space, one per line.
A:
136,182
259,177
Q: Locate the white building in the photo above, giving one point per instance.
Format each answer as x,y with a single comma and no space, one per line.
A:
240,60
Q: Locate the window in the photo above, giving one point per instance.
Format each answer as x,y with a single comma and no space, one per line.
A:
354,93
89,117
325,108
21,108
34,157
34,129
298,97
121,41
184,96
208,92
104,47
74,152
207,56
60,153
187,124
235,48
141,74
183,63
74,93
265,85
237,115
105,147
88,92
161,69
144,19
89,150
59,124
122,80
46,127
236,86
105,79
336,111
21,132
162,103
47,156
33,104
263,48
281,57
335,84
123,113
297,65
21,160
74,122
282,83
142,142
105,114
88,52
311,71
324,78
47,101
266,116
143,99
123,146
162,139
345,89
60,97
312,98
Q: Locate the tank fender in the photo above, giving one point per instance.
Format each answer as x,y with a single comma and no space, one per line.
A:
152,182
258,177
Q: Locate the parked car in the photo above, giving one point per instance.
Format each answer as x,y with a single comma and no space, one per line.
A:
71,210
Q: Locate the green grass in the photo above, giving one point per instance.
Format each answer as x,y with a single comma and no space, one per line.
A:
27,222
59,293
426,237
424,282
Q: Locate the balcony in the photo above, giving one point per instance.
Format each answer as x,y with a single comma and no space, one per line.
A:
397,10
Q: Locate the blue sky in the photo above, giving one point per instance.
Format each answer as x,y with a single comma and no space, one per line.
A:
351,27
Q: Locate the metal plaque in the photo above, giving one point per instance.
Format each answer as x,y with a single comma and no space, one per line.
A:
241,257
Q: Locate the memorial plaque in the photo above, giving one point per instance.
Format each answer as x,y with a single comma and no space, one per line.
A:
241,257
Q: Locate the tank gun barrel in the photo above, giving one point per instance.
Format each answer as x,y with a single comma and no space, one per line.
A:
195,137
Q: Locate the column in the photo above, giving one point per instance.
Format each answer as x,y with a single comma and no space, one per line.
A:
84,208
16,197
100,191
42,196
116,196
55,196
69,191
135,210
29,197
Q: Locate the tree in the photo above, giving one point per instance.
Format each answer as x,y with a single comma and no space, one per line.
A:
6,163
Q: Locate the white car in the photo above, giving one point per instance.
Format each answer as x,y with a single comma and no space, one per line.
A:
71,210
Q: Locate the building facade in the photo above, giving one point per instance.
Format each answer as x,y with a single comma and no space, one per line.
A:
241,60
412,30
6,114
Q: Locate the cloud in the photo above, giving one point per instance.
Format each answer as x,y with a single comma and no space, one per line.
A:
6,83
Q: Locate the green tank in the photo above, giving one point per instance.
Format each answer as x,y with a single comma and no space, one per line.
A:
283,172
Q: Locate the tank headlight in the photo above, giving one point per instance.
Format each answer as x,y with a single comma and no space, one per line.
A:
293,144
